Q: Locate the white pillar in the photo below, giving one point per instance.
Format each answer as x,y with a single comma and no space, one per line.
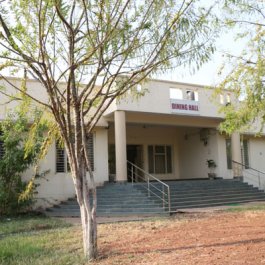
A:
120,145
236,154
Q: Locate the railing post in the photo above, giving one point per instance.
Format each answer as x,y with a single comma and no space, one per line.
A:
259,180
168,199
132,174
148,187
163,190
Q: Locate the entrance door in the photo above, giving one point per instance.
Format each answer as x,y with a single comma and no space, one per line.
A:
135,156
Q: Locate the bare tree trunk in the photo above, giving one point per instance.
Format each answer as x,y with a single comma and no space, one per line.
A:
88,214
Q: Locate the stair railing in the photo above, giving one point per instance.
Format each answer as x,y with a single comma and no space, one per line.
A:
153,185
249,174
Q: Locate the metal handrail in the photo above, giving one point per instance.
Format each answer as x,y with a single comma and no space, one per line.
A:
164,194
248,167
258,172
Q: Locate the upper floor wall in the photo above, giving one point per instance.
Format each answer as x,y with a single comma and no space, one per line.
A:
174,98
161,97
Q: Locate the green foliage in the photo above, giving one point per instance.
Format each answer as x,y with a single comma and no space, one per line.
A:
247,76
16,194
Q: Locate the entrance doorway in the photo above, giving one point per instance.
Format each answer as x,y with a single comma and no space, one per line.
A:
135,156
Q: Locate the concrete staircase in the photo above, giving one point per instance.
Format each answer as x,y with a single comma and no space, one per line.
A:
210,193
125,199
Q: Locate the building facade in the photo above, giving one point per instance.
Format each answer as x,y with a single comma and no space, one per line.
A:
170,132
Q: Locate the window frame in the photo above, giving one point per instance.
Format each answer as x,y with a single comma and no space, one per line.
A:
167,155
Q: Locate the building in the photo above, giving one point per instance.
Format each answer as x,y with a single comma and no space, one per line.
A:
169,132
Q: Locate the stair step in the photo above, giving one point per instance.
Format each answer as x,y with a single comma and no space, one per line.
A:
204,205
128,199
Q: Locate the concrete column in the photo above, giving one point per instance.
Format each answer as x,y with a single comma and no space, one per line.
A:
236,154
120,146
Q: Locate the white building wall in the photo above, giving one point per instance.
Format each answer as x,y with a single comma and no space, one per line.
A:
101,156
194,153
256,150
157,99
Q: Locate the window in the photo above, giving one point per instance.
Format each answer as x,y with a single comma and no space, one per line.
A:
160,159
90,148
60,158
175,93
2,151
244,153
62,164
228,153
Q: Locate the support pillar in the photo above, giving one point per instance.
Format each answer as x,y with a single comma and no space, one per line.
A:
236,154
120,146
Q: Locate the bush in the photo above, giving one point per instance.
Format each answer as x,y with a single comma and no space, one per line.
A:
16,155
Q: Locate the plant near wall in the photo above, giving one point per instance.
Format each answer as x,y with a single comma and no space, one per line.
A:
211,165
17,155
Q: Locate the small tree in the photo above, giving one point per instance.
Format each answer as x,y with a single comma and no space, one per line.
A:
16,156
100,50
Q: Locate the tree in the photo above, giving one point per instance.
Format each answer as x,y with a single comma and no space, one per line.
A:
99,50
247,75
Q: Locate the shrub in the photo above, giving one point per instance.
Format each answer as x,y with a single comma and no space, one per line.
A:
16,156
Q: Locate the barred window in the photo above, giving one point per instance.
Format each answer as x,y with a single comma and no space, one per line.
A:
60,158
90,149
244,153
228,153
62,163
160,159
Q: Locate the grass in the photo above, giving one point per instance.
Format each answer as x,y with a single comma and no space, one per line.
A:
39,241
243,208
28,224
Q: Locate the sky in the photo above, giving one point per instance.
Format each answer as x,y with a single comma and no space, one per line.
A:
208,73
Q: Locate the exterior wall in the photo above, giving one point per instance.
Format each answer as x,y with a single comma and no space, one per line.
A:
256,161
194,153
157,99
101,156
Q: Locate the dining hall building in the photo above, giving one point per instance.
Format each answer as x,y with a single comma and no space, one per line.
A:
169,133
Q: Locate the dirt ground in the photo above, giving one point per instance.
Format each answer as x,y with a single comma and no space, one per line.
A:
189,239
